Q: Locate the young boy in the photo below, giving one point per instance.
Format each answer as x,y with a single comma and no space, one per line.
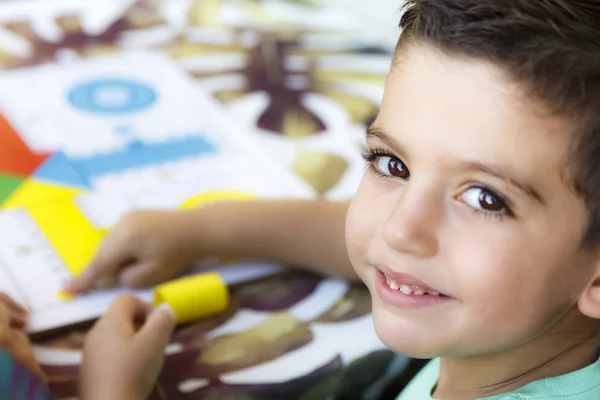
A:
477,225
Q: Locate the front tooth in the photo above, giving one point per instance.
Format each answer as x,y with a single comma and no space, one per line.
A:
405,289
393,285
419,292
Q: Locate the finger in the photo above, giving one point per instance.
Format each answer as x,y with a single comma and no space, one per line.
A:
156,332
18,321
12,304
109,258
37,370
139,276
5,316
125,311
17,314
9,320
20,349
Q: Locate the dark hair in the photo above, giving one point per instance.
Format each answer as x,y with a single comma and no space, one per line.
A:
550,47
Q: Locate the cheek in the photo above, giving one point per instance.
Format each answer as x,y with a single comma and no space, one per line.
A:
363,220
498,274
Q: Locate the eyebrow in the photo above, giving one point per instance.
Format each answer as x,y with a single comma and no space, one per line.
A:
375,133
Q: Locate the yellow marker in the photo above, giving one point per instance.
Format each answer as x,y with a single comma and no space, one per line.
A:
194,297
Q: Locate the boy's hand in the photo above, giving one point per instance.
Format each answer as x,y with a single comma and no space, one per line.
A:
18,313
145,248
12,337
121,361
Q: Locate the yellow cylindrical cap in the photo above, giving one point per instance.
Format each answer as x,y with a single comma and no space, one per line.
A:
193,297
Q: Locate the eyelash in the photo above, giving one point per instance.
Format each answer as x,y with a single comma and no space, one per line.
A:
488,214
370,156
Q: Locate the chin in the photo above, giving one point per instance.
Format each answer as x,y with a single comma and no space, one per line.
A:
403,336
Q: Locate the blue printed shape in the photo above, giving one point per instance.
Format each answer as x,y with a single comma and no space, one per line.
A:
58,169
140,154
112,96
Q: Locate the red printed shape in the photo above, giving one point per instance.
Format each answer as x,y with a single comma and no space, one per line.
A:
15,156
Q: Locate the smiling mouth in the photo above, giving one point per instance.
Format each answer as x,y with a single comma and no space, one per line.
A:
410,289
409,286
407,292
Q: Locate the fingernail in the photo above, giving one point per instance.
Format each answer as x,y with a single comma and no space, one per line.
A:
167,308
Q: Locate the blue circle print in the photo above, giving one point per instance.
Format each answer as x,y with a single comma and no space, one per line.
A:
112,96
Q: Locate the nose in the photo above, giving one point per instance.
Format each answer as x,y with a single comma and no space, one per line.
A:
412,226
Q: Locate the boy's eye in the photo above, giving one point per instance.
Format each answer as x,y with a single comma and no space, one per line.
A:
392,167
484,199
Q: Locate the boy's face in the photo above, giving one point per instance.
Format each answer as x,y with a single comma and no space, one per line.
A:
468,197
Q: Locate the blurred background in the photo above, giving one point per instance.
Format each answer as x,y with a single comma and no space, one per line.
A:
303,76
379,17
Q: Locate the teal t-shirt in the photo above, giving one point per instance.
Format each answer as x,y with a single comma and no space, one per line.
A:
17,382
583,384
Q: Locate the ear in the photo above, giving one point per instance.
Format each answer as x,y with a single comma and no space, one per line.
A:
589,301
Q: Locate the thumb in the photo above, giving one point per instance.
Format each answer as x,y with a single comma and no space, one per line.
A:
158,328
20,350
105,263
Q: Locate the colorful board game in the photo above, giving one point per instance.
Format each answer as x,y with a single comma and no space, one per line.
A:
84,145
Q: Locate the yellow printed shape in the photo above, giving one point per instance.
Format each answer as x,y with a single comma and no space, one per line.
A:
213,197
32,192
194,297
69,232
66,228
65,296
